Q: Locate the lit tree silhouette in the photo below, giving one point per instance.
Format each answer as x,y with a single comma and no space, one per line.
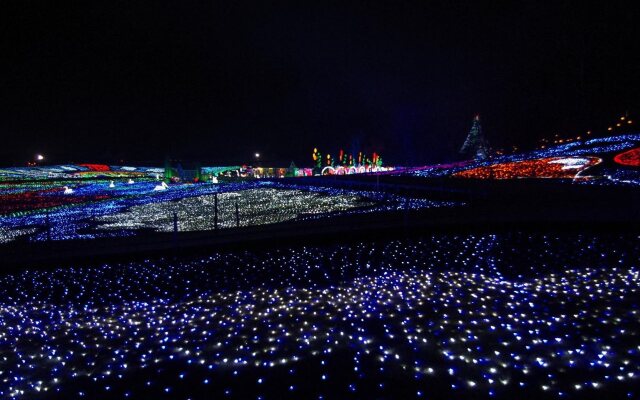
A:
476,145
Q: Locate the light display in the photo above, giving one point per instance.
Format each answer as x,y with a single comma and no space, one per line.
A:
43,199
510,316
162,186
629,158
7,235
598,148
259,206
340,170
476,144
73,171
77,215
317,158
96,167
344,164
212,172
567,168
28,204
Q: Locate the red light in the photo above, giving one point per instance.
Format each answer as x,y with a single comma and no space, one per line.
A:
630,158
96,167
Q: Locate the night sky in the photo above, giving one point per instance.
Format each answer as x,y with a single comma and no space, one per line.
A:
104,81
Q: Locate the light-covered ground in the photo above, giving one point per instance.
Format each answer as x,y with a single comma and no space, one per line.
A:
464,316
99,209
255,207
8,234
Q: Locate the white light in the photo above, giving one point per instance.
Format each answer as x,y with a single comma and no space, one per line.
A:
257,155
39,157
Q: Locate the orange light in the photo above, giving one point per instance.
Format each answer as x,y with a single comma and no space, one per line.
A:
537,168
609,128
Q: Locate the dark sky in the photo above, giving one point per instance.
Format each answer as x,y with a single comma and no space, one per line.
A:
217,81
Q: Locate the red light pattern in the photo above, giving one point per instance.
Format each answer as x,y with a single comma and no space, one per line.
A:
630,158
38,200
96,167
540,168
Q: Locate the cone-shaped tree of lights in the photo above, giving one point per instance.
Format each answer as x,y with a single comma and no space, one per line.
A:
476,145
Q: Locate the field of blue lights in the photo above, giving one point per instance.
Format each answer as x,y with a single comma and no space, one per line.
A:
398,310
507,315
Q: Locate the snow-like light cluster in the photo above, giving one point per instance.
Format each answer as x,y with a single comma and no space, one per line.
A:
487,314
95,209
255,207
7,235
